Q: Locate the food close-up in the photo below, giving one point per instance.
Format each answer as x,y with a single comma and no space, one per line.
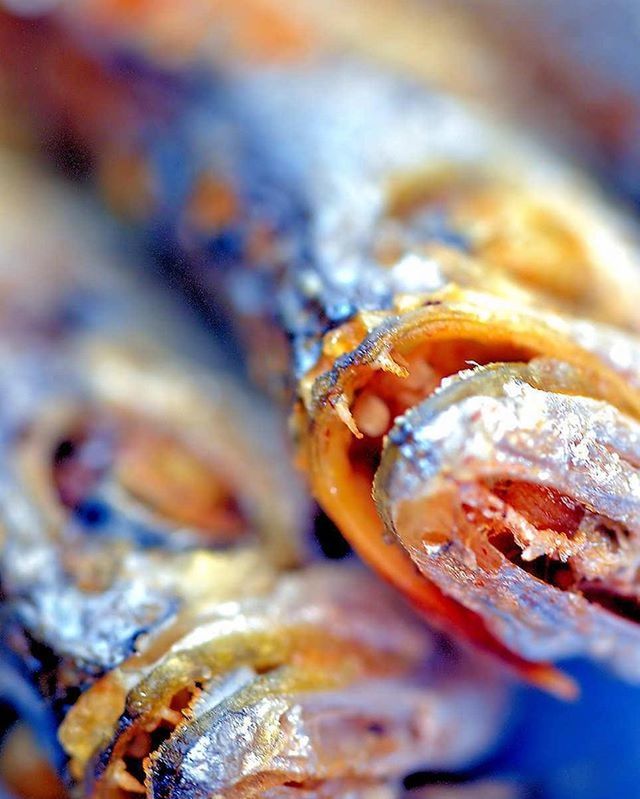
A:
320,399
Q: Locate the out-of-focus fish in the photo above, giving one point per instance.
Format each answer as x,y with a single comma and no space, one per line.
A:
114,456
106,432
309,687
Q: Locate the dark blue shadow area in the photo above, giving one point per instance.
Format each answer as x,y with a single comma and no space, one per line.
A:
588,749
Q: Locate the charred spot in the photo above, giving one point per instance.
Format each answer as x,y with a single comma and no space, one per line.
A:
64,451
58,681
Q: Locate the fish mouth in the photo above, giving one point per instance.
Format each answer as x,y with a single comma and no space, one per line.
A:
348,420
533,521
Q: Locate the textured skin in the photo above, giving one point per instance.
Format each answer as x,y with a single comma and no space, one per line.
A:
304,687
524,425
155,642
347,243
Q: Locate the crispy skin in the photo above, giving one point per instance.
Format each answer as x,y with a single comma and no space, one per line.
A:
146,616
368,230
540,524
305,686
343,481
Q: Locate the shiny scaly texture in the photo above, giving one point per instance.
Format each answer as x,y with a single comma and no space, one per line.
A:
148,513
373,238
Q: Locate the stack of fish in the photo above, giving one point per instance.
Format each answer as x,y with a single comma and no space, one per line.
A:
163,630
449,309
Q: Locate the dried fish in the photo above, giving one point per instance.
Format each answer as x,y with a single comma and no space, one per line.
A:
99,445
146,619
373,238
131,483
513,488
307,688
